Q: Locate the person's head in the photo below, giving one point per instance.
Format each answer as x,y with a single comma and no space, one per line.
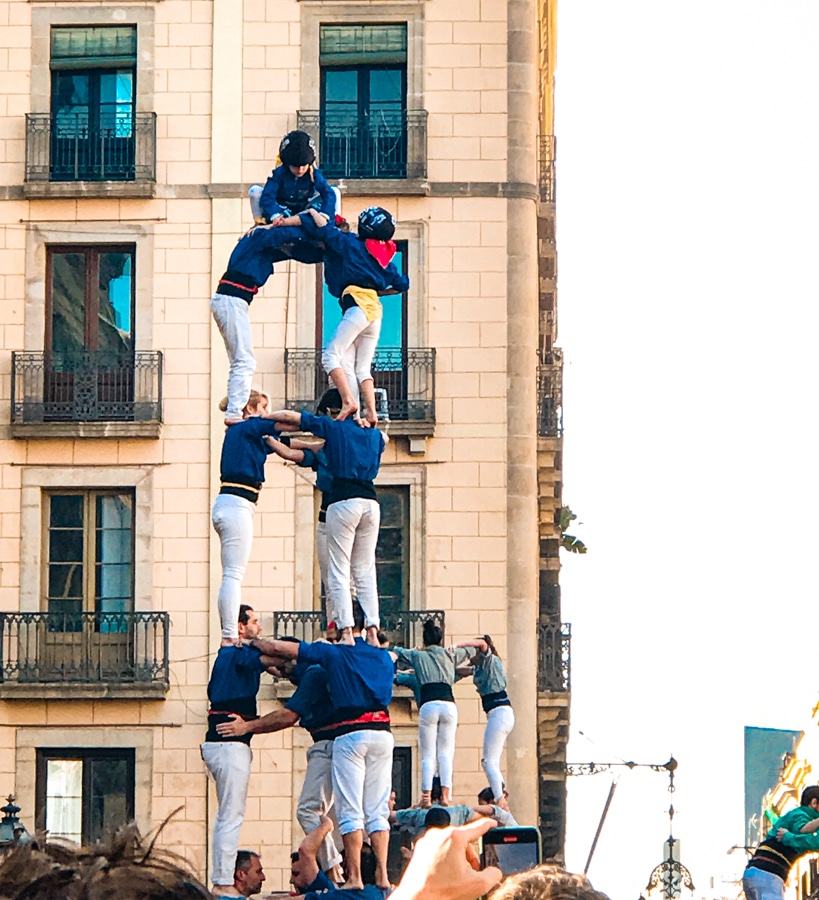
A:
383,641
133,870
249,626
329,403
248,876
810,797
376,223
298,875
369,864
257,403
546,882
297,151
432,634
291,668
489,643
358,616
487,797
437,817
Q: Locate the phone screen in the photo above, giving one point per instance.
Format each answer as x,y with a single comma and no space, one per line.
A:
511,849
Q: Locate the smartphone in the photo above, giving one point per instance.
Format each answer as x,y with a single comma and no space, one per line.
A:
511,849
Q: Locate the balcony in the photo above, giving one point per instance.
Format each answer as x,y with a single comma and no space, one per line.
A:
72,155
404,629
380,148
546,163
86,394
84,655
404,382
554,659
550,395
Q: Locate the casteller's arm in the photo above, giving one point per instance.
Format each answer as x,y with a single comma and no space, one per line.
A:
269,647
277,720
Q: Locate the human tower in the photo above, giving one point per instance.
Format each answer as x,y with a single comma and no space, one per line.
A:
343,684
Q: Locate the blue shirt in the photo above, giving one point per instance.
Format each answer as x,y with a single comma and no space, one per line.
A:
359,677
254,254
286,195
348,261
351,451
317,461
234,683
312,702
244,450
320,883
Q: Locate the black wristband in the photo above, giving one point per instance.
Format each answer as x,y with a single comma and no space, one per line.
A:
285,439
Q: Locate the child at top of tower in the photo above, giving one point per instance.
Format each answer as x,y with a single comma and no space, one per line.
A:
294,186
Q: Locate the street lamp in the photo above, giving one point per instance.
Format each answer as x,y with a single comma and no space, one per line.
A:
12,830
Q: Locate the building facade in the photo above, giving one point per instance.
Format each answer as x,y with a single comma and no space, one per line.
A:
130,134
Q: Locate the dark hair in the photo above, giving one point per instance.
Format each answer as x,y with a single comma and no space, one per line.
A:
490,643
294,856
810,793
435,793
244,609
369,864
487,795
437,817
382,639
358,615
330,399
243,858
433,634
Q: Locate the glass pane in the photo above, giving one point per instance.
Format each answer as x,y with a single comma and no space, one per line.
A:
64,798
114,555
65,546
116,103
355,44
390,545
68,302
108,800
391,554
392,508
95,44
392,325
386,88
66,511
115,333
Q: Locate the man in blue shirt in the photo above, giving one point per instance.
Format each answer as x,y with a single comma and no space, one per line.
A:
234,683
359,678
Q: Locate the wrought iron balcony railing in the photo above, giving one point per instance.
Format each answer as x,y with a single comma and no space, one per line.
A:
550,395
86,387
102,146
404,629
554,657
383,144
84,648
407,377
548,183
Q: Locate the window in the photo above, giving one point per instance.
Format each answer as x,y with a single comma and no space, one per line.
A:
89,564
84,794
392,553
363,115
402,785
93,71
89,334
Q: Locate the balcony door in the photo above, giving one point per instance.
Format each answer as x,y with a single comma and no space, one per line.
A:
93,71
88,591
89,333
363,101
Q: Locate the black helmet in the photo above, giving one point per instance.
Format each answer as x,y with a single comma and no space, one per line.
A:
297,149
375,222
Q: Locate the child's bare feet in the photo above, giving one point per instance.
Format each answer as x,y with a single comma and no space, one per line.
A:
372,417
372,636
347,637
347,409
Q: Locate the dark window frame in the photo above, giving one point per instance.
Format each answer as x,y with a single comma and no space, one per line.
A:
44,754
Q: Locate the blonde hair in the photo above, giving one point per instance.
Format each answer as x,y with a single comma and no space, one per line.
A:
253,400
547,882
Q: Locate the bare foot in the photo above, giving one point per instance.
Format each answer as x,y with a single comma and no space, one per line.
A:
372,417
426,799
347,637
352,886
347,409
372,636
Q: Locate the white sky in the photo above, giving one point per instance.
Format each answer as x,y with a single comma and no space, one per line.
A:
688,197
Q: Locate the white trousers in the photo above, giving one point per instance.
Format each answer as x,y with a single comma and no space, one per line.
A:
352,534
233,520
352,348
316,799
437,725
228,763
362,780
499,722
232,316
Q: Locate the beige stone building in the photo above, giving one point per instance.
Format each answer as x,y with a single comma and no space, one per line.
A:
129,134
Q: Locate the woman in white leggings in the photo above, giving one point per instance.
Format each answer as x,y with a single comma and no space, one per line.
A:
438,715
490,682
